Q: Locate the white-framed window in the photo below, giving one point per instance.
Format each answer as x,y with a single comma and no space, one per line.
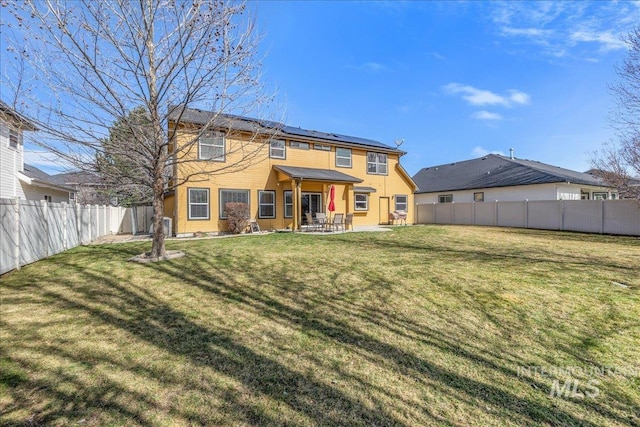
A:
614,196
277,149
211,146
266,204
198,203
402,202
14,138
377,163
48,199
478,197
361,201
299,145
343,157
322,147
288,204
600,195
231,196
72,196
445,198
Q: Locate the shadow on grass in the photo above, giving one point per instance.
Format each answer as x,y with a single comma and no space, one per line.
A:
139,313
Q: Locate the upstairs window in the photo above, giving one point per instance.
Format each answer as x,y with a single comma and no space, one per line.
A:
14,138
343,157
277,149
211,146
322,147
402,202
299,145
377,163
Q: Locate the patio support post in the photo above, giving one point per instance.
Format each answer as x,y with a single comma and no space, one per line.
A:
298,203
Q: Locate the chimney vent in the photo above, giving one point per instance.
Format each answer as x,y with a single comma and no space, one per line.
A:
511,153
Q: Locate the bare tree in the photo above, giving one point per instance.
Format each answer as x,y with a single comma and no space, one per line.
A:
91,63
619,163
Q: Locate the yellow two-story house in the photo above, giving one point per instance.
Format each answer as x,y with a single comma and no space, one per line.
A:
281,172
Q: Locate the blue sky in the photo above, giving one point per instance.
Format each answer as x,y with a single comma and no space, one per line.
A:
456,80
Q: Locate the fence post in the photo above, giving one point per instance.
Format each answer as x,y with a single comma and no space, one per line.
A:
526,213
16,236
435,221
495,214
562,215
45,210
473,213
64,227
602,216
453,212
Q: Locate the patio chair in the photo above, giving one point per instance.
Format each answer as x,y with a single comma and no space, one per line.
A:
337,223
312,224
402,216
348,221
321,220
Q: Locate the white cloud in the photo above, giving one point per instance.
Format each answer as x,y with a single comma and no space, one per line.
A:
481,152
606,39
486,115
480,97
526,32
374,67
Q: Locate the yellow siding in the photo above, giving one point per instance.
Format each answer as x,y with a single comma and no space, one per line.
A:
260,175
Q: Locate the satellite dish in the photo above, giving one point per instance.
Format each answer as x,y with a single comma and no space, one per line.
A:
398,142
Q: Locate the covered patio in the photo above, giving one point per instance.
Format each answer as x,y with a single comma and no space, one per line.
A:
310,190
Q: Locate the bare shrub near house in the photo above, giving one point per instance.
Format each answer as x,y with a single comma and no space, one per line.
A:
82,66
237,216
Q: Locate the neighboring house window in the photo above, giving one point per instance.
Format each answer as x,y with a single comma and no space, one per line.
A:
72,196
232,196
322,147
211,146
267,204
14,138
600,196
478,197
47,199
198,203
299,145
343,157
614,196
277,149
361,201
445,198
402,202
288,204
377,163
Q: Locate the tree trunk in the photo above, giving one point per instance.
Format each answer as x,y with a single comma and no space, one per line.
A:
157,247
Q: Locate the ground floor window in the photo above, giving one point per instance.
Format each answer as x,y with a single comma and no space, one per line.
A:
266,204
445,198
232,196
198,203
361,201
402,202
599,196
478,197
288,204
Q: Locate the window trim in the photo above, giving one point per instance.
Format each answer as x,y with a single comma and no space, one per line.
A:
377,163
16,135
355,202
406,202
189,204
298,145
272,204
284,202
238,190
481,193
343,157
283,148
440,196
214,135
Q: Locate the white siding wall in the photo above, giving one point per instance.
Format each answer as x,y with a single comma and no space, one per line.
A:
10,161
31,192
514,194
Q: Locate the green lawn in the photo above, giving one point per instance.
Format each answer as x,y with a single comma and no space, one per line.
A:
429,325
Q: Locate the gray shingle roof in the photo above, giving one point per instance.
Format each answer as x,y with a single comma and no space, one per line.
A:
40,176
191,115
496,171
316,174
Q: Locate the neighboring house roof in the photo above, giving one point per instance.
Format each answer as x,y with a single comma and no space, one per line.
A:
190,115
39,178
316,174
496,171
78,178
23,122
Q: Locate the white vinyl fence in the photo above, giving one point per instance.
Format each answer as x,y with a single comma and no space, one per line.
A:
32,230
589,216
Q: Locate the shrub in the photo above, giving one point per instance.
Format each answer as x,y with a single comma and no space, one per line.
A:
237,216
